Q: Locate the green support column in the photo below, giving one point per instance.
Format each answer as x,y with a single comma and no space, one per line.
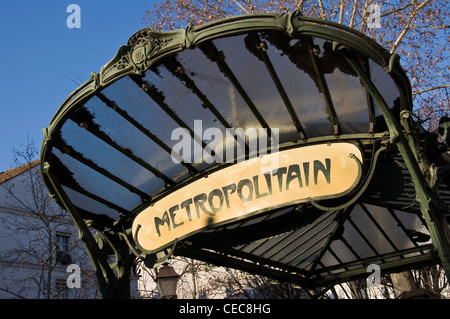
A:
111,286
427,199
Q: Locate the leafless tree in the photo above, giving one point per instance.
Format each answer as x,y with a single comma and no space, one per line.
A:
200,280
415,29
31,227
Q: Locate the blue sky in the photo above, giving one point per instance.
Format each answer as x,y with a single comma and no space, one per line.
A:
42,59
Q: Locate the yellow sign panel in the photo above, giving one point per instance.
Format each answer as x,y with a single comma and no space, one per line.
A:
248,188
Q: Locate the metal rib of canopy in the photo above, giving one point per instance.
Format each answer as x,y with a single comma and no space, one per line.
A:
107,152
327,247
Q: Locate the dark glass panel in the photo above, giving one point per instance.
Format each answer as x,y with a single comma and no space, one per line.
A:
186,105
302,241
355,241
291,59
414,226
97,184
257,83
370,231
327,260
136,102
129,137
90,205
107,157
180,98
217,88
348,95
384,218
385,85
342,251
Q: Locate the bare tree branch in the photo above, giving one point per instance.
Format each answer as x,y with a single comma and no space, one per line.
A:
388,13
300,4
407,25
341,11
242,7
432,89
323,15
365,15
353,16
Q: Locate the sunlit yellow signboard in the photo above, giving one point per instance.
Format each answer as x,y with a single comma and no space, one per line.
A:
248,188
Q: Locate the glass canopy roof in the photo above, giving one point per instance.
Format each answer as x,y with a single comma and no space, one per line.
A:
109,151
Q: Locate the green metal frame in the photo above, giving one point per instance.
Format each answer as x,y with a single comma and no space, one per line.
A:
146,47
417,164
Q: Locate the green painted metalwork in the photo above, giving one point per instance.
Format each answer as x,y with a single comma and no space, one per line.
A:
297,254
429,203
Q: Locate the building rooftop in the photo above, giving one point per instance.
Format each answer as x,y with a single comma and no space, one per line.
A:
13,172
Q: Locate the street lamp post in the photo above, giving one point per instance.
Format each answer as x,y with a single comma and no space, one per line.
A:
167,282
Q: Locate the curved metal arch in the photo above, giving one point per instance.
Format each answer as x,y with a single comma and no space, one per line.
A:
147,47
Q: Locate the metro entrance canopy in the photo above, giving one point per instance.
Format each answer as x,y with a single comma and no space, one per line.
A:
338,179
